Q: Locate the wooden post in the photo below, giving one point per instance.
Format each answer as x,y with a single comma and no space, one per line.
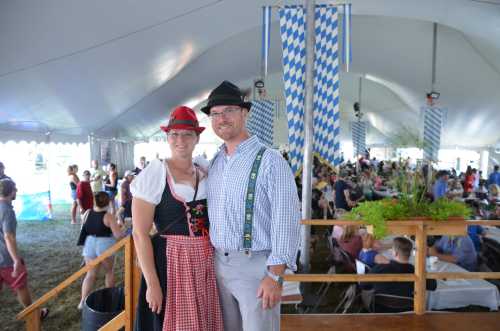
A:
129,285
33,321
137,275
420,272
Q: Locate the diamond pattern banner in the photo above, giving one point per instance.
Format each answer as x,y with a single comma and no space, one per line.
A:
261,121
326,116
359,137
326,86
433,122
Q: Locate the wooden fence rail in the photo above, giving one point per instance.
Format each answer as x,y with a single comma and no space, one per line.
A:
31,314
420,228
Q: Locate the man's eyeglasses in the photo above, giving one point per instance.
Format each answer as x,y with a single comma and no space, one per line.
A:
228,111
176,135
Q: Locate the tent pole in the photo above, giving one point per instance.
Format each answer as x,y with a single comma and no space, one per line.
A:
308,138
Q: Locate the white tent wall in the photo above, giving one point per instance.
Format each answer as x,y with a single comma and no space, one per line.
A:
59,73
106,151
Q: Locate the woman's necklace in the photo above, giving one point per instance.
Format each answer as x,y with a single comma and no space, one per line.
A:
183,171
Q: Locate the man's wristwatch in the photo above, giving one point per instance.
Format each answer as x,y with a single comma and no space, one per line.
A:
278,279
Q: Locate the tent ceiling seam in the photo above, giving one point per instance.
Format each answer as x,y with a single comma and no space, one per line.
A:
84,50
478,52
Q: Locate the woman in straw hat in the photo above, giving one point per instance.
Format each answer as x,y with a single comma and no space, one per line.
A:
178,289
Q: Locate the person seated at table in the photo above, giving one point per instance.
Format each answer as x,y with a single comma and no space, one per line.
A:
495,214
494,194
456,249
456,190
350,241
440,187
476,233
369,255
342,195
367,185
356,192
402,248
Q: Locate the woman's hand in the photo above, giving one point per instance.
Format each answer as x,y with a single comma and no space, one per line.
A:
154,298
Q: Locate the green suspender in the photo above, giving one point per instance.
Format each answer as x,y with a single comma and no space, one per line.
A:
252,180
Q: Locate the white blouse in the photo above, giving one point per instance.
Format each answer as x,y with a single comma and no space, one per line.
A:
150,184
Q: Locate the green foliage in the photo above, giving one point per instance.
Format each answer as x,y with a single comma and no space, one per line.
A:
376,213
443,209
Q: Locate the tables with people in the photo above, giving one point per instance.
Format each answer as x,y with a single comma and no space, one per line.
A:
457,249
456,293
399,264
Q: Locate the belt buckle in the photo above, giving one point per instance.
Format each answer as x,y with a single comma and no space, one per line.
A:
248,252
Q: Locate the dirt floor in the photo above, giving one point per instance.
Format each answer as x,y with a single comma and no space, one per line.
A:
51,255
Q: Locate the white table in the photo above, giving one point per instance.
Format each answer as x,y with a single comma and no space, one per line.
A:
387,194
458,293
492,233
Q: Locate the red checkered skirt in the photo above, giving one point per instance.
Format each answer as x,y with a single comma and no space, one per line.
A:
192,301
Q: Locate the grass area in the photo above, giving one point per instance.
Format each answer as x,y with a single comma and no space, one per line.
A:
51,255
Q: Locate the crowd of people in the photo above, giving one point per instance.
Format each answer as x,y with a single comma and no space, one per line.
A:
83,190
102,223
336,192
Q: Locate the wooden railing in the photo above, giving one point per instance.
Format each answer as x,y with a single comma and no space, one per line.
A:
31,314
420,229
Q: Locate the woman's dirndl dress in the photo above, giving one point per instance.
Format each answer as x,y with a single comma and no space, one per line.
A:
184,263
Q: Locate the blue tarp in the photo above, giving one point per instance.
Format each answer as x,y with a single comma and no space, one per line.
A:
35,206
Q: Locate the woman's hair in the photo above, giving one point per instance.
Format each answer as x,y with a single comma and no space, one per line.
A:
101,199
368,240
86,173
468,172
70,170
112,166
349,232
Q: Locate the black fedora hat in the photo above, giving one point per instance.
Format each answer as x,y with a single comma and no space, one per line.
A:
226,94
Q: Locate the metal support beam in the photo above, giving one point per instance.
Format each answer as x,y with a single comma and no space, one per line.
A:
309,136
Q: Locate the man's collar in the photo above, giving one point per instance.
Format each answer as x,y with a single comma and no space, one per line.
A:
243,147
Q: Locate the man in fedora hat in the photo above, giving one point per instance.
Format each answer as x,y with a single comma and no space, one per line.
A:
254,216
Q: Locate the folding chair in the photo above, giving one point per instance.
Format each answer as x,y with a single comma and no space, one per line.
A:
340,263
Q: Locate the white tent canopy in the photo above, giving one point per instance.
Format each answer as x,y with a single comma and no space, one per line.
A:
116,68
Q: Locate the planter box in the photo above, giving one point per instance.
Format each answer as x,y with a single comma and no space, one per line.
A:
450,227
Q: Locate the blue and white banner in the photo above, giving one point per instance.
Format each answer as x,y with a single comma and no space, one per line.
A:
266,38
433,122
326,86
261,121
326,82
359,137
346,50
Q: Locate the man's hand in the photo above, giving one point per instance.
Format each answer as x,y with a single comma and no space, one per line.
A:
270,292
432,251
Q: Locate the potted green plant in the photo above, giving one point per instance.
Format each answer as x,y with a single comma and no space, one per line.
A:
411,204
